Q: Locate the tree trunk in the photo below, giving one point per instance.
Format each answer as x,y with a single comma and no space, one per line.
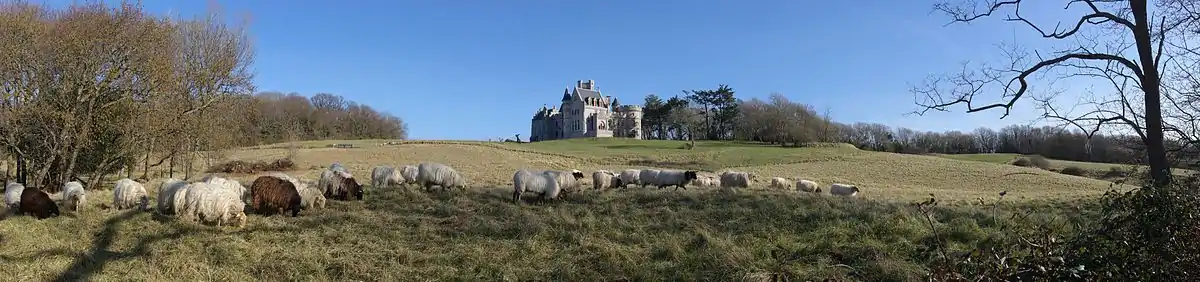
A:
21,170
1156,153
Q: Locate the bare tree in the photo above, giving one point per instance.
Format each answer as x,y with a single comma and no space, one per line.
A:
1118,42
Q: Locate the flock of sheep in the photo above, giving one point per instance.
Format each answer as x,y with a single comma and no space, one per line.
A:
222,201
547,184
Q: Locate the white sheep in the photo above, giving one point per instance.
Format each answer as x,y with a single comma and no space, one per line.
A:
804,185
409,172
702,181
647,177
230,184
735,179
172,195
430,174
603,179
677,178
385,176
12,195
208,202
310,196
630,177
846,190
338,168
73,196
128,193
545,183
779,183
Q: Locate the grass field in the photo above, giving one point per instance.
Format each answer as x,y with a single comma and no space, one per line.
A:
1093,170
636,234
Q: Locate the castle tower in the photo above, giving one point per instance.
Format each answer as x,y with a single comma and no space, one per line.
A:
629,122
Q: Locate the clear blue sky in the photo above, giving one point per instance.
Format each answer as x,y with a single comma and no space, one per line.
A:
479,69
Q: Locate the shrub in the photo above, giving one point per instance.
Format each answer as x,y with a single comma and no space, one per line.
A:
1115,172
239,166
1073,170
1032,161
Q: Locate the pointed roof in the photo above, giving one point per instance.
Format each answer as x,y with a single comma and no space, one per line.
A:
566,94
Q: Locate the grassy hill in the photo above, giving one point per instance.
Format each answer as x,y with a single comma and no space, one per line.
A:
635,234
1093,170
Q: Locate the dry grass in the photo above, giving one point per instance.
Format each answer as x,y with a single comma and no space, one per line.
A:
628,235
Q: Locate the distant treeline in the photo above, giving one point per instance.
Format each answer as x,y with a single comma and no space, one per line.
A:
718,115
273,117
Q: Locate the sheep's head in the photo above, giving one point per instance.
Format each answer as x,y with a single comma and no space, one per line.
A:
144,202
689,175
354,188
817,190
239,219
854,188
577,174
618,182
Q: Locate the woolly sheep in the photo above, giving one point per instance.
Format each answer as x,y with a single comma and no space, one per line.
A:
339,185
338,168
545,183
12,195
128,193
779,183
409,172
207,202
229,184
73,196
310,197
702,181
37,203
385,176
735,179
804,185
172,196
630,177
271,195
847,190
647,177
677,178
430,174
603,179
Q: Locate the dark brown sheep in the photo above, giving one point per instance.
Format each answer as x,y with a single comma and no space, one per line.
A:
37,203
271,195
337,186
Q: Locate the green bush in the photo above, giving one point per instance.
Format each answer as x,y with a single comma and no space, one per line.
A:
1073,170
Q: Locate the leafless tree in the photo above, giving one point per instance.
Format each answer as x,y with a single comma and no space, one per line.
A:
1143,55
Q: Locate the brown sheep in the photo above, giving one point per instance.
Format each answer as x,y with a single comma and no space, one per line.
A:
271,195
340,186
37,203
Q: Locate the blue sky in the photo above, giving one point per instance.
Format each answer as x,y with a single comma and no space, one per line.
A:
479,69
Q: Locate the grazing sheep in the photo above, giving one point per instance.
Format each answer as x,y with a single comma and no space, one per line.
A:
430,174
338,168
804,185
647,177
73,196
735,179
845,190
271,195
779,183
339,185
172,196
545,183
229,184
702,181
409,172
128,193
311,198
207,202
12,195
603,179
37,203
630,177
677,178
385,176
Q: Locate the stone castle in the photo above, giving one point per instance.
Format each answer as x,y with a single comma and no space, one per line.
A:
586,113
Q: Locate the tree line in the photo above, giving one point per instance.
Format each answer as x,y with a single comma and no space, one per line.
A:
88,89
718,115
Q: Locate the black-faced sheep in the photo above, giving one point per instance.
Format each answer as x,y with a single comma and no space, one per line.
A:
339,185
846,190
73,196
37,203
271,195
430,174
677,178
128,194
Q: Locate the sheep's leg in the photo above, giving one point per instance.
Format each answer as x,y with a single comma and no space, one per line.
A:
516,196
